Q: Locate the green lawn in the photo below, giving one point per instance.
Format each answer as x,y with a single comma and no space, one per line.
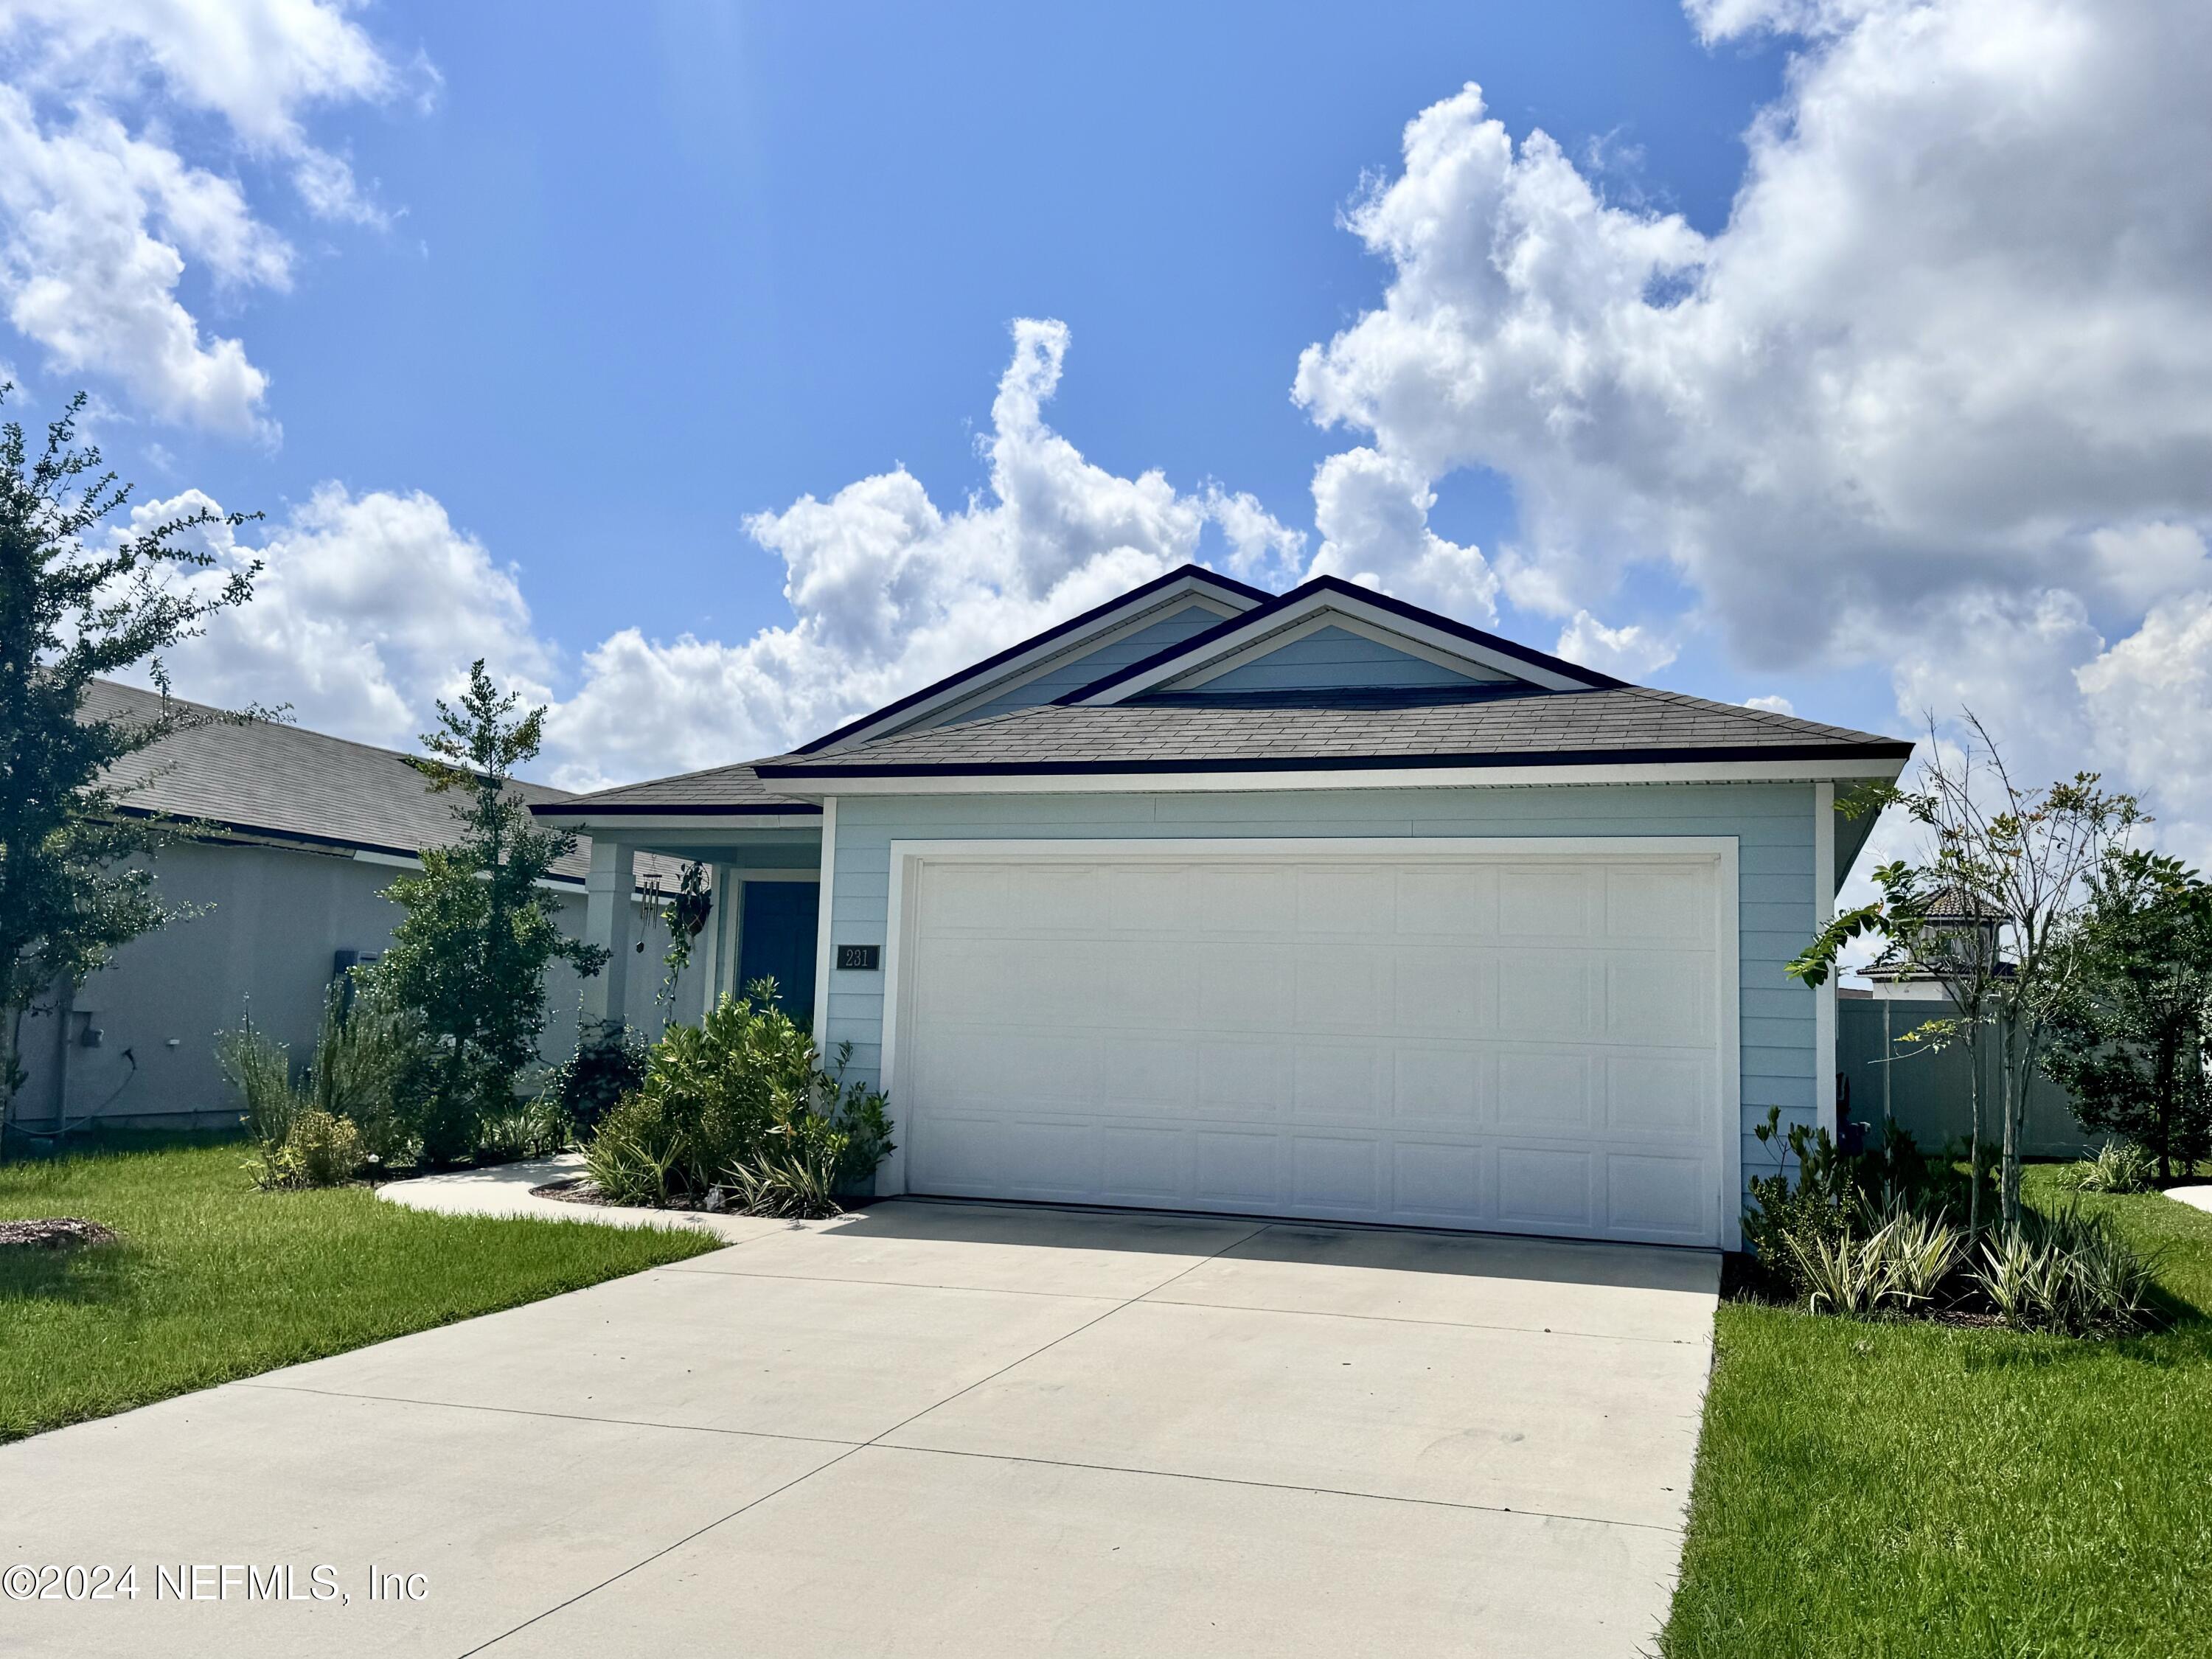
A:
1903,1489
214,1281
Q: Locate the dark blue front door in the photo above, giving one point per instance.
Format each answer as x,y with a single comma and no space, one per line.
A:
776,932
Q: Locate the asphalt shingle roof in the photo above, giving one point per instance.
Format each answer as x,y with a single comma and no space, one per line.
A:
721,788
1618,724
283,780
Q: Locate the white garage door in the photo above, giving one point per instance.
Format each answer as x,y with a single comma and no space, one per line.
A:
1510,1040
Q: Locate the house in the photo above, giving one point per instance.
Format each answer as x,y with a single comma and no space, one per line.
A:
1315,905
296,835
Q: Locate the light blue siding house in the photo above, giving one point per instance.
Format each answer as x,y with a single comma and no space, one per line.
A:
1315,905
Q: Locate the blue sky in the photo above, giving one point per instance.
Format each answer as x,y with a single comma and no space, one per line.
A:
650,278
1836,351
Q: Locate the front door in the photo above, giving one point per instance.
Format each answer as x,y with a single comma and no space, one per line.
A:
776,932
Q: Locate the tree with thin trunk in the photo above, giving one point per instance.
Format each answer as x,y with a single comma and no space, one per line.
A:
1993,911
470,956
77,603
2133,1048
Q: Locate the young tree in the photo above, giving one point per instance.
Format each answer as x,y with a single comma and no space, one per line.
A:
470,955
71,892
1993,913
2133,1048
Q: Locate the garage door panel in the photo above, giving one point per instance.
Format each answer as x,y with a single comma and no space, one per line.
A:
1143,1165
1337,1082
1667,903
1519,1044
1236,1171
1156,1077
1546,1186
959,896
1441,1181
1546,1091
1656,997
1453,901
1548,901
1151,898
1242,1079
1339,987
1358,902
1658,1194
1256,901
1658,1094
1054,898
1442,1088
1444,988
1552,994
1242,989
1337,1175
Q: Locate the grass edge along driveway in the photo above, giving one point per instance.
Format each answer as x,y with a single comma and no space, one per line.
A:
1908,1489
214,1281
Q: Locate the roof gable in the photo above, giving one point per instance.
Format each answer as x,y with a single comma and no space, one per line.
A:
1331,633
1191,593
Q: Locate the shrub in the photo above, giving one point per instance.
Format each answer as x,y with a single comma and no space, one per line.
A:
1895,1259
2069,1272
260,1069
534,1128
739,1100
2119,1166
318,1150
585,1087
362,1051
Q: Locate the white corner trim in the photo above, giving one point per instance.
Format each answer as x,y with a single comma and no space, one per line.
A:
900,919
1824,910
821,952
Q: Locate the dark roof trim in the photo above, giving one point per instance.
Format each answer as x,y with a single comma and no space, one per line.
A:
1198,643
582,807
1771,752
193,828
1260,597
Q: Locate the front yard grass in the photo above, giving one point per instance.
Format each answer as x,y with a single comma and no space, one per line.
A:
214,1281
1913,1489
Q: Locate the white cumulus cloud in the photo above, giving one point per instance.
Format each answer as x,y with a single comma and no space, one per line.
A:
1937,396
888,591
102,213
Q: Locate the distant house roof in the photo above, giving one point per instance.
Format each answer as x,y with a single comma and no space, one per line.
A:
284,782
1349,731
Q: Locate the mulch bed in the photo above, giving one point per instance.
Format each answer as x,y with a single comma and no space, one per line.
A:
55,1232
575,1189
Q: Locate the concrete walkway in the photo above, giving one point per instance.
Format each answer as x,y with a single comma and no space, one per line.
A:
2199,1198
505,1190
930,1429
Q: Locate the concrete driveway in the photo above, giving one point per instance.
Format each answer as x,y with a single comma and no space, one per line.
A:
930,1429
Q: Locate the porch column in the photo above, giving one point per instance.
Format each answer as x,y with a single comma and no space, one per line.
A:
715,958
609,891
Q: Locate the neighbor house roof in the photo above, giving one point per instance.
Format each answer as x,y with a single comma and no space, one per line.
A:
1349,731
272,779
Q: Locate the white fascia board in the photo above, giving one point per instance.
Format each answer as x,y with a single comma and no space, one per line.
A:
1386,626
1411,777
1039,659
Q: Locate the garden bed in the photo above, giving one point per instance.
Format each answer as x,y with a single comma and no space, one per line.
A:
1877,1486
